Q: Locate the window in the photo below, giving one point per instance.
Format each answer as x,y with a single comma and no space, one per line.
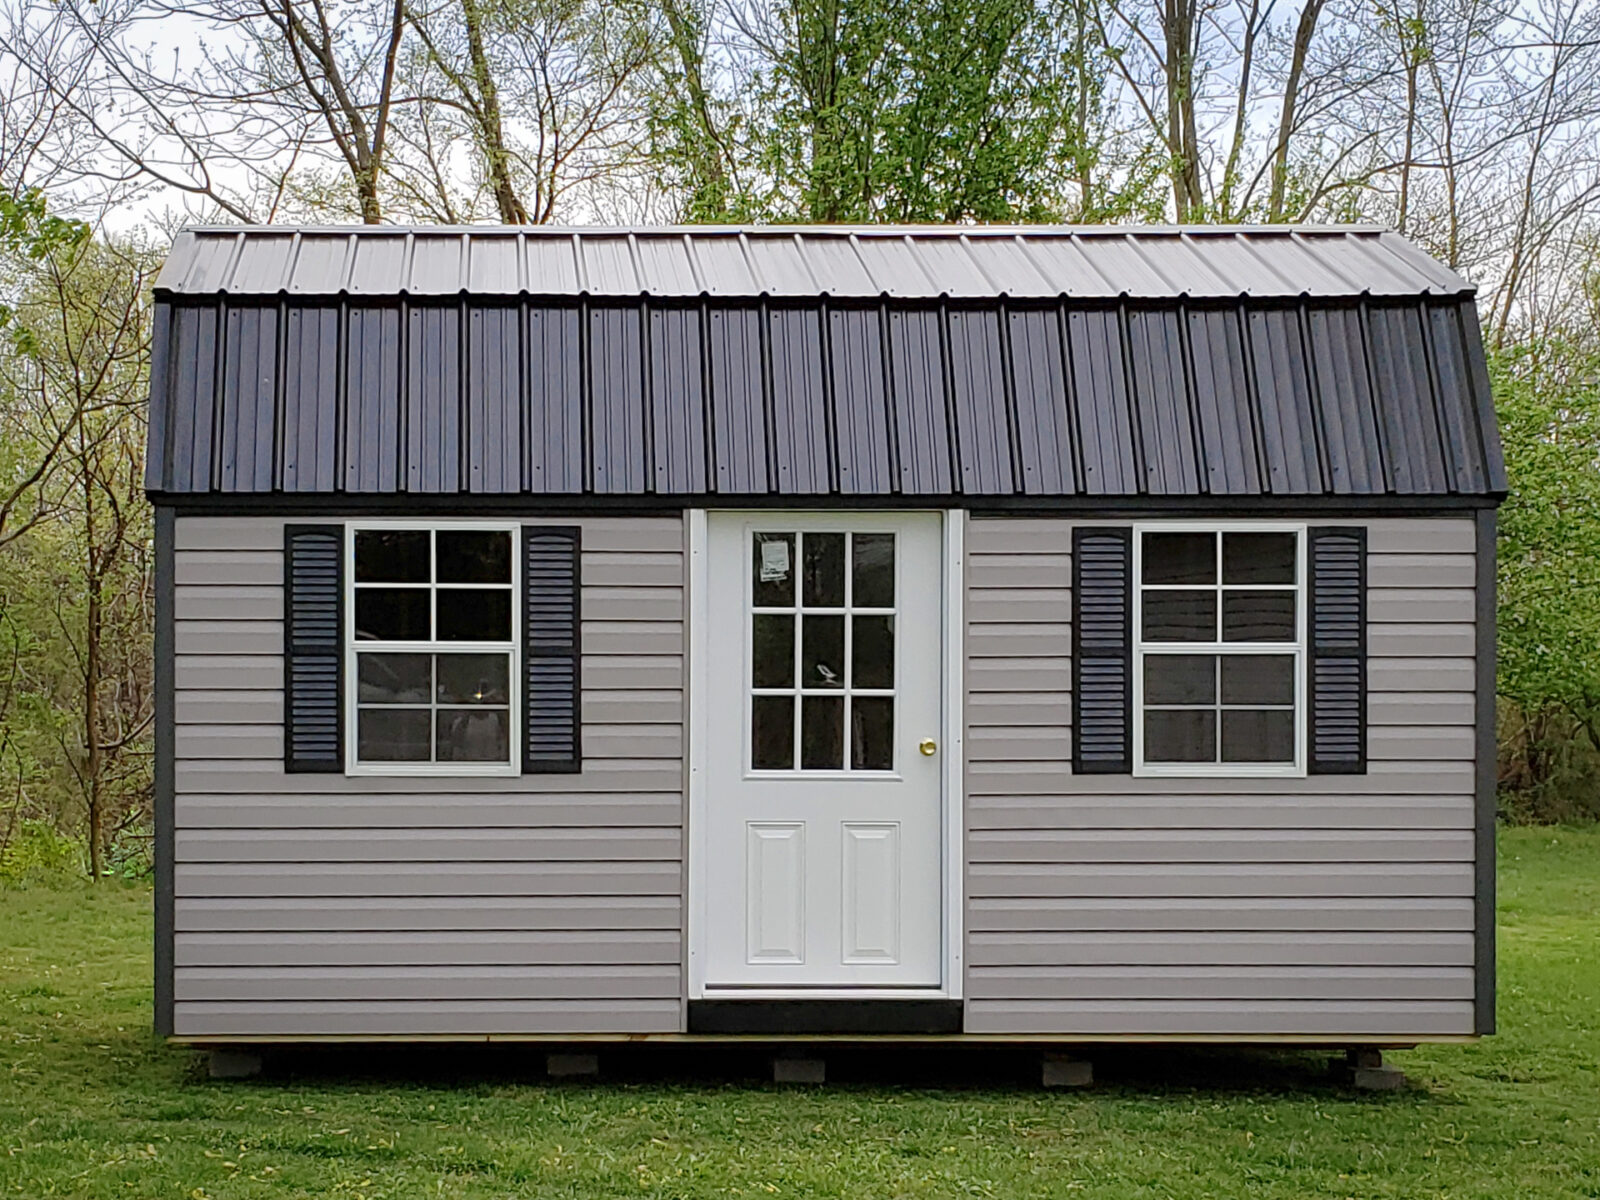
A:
822,651
1219,662
431,667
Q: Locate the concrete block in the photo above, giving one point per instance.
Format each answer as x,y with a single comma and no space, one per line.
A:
234,1064
1377,1079
1061,1071
799,1070
568,1066
1363,1068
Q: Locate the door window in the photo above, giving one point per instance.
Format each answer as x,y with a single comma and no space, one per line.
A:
821,670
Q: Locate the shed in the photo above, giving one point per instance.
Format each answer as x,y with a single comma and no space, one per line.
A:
1052,634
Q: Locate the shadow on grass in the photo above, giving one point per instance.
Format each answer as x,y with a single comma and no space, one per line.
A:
1151,1071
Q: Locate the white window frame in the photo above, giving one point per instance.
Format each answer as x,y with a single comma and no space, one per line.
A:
797,612
352,764
1294,770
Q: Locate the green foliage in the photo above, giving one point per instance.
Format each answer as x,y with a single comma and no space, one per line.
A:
1548,396
36,853
882,111
92,1107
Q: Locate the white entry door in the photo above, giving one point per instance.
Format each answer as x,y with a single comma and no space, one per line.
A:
823,804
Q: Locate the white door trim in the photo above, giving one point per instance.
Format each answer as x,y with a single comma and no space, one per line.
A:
953,645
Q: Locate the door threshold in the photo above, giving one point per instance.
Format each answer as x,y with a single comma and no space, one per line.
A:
852,1014
739,992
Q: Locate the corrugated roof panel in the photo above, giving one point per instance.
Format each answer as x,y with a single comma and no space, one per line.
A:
494,399
928,400
433,400
909,262
311,401
664,267
1258,267
1337,346
1458,418
1100,403
721,268
1186,263
1494,463
380,267
193,393
372,400
607,267
321,264
799,403
494,266
860,406
983,426
1415,454
554,402
249,401
551,266
1407,264
945,261
677,402
262,268
1283,392
1044,432
738,408
895,271
438,264
1383,270
780,269
208,267
922,426
1161,398
1008,267
1127,268
1229,453
159,459
616,400
835,264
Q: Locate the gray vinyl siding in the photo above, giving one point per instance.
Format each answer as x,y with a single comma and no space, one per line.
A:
318,904
1331,905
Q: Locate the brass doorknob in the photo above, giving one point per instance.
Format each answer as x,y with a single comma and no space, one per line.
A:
928,746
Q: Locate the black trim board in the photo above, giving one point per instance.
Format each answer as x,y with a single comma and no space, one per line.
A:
780,1017
430,504
164,665
1488,767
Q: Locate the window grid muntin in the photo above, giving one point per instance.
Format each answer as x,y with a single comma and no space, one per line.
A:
510,649
797,612
1218,649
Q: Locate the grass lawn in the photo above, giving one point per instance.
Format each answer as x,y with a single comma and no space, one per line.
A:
91,1106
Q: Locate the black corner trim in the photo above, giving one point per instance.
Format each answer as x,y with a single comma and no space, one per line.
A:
165,768
1487,798
313,624
837,1017
552,623
1337,650
1102,650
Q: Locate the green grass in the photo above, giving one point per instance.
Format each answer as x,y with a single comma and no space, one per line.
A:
91,1106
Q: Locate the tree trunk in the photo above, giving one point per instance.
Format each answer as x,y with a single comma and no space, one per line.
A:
1303,34
497,159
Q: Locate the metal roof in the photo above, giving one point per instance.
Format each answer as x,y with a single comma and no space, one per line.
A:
962,403
868,262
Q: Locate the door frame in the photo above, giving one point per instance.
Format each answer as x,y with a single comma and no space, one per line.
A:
952,873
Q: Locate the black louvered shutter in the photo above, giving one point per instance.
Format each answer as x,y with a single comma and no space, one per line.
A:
313,597
1338,639
551,737
1102,651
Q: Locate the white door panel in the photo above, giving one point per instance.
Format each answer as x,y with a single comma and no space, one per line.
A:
823,817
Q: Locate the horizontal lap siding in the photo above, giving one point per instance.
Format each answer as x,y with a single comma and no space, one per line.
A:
316,904
1332,905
